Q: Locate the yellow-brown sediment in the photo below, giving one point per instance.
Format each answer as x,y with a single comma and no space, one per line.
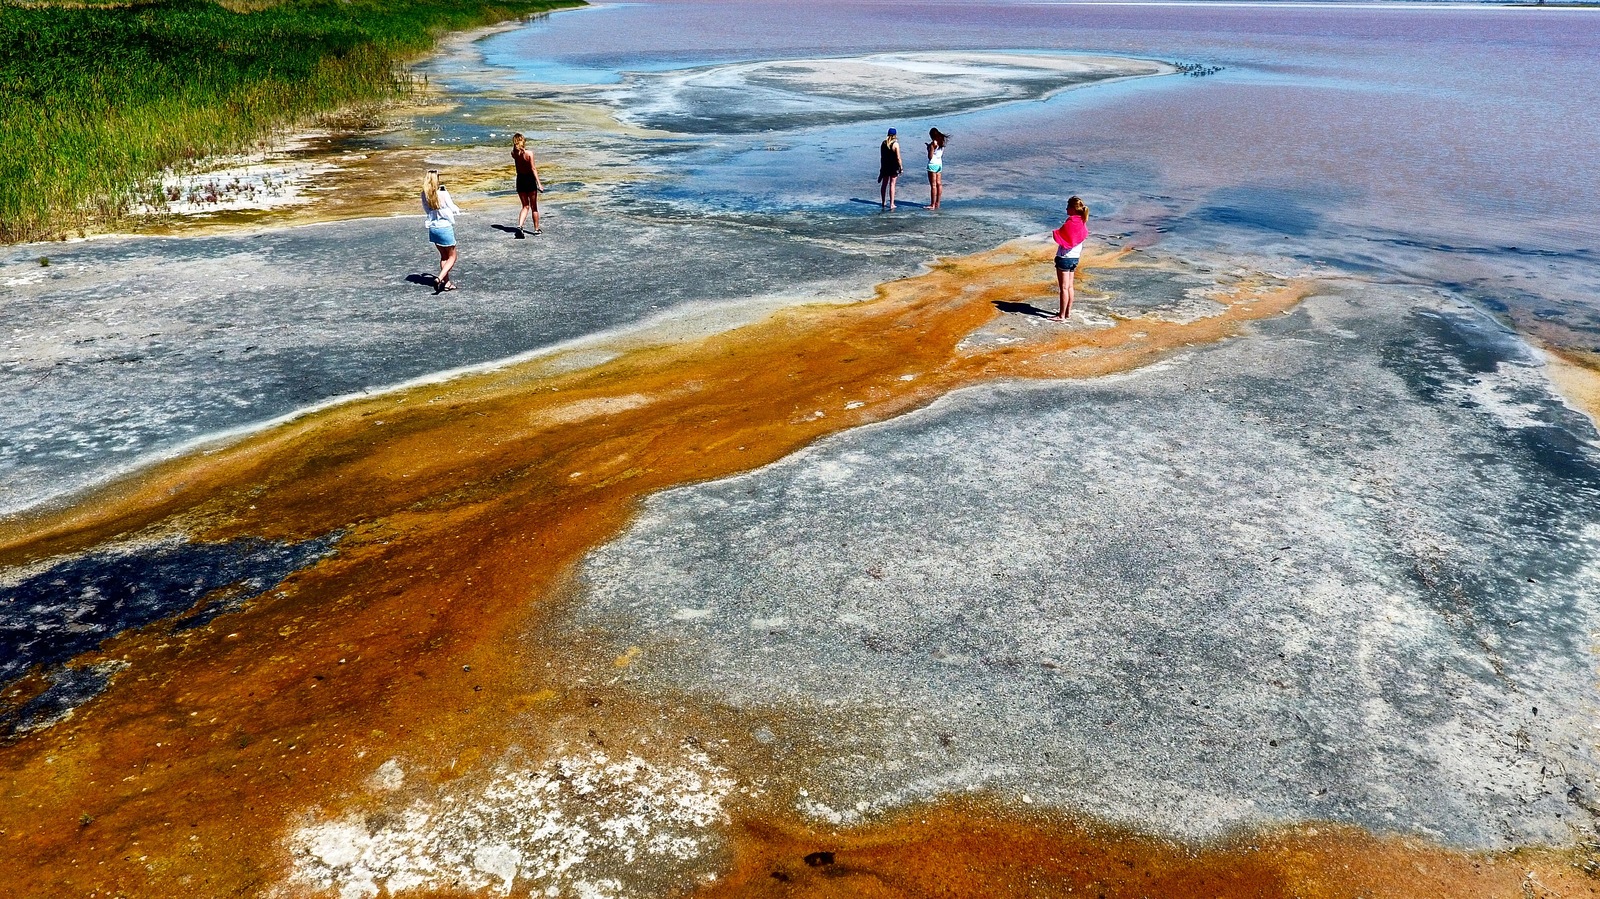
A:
463,504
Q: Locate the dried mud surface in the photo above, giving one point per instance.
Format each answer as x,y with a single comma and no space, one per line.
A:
1254,583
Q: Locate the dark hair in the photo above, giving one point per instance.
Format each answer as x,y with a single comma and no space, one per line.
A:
939,137
1075,207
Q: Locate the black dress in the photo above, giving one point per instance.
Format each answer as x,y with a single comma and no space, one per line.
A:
527,181
889,160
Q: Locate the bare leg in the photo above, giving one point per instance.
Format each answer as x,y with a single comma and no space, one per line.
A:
447,261
1064,284
533,204
522,215
883,193
937,180
891,190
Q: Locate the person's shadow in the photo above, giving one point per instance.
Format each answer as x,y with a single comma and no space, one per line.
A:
425,280
896,202
1022,309
517,232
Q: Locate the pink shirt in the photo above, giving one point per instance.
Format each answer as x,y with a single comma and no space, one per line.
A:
1072,233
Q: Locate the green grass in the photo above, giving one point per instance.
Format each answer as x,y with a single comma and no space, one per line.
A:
96,100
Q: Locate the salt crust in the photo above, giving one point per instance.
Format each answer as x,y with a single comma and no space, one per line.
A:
261,180
845,85
583,825
1506,394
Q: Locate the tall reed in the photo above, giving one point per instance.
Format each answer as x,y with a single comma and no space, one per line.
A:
95,101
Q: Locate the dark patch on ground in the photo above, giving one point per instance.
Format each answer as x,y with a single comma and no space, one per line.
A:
69,688
49,617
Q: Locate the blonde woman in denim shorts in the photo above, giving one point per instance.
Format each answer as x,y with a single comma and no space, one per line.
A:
440,212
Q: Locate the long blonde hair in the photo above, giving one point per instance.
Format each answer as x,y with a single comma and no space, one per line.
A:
518,141
430,188
1075,206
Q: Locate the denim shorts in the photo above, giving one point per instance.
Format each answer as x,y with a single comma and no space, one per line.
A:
1066,263
442,234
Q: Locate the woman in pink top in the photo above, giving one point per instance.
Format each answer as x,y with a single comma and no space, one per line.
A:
1069,239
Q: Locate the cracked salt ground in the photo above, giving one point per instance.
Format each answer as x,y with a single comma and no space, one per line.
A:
1321,588
584,824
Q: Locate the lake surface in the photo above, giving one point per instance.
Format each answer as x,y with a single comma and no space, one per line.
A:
1454,145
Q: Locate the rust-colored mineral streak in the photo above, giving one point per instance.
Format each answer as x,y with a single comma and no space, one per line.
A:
954,851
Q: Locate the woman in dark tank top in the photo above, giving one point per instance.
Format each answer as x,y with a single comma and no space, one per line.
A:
889,169
528,185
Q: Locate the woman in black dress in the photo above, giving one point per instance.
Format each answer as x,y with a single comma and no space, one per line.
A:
528,185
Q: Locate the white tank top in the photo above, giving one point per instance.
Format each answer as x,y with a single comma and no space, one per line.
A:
938,156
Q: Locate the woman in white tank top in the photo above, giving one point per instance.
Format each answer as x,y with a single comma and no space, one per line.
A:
936,139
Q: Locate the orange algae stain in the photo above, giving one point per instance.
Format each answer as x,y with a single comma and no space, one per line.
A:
1576,374
965,850
1573,370
463,504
